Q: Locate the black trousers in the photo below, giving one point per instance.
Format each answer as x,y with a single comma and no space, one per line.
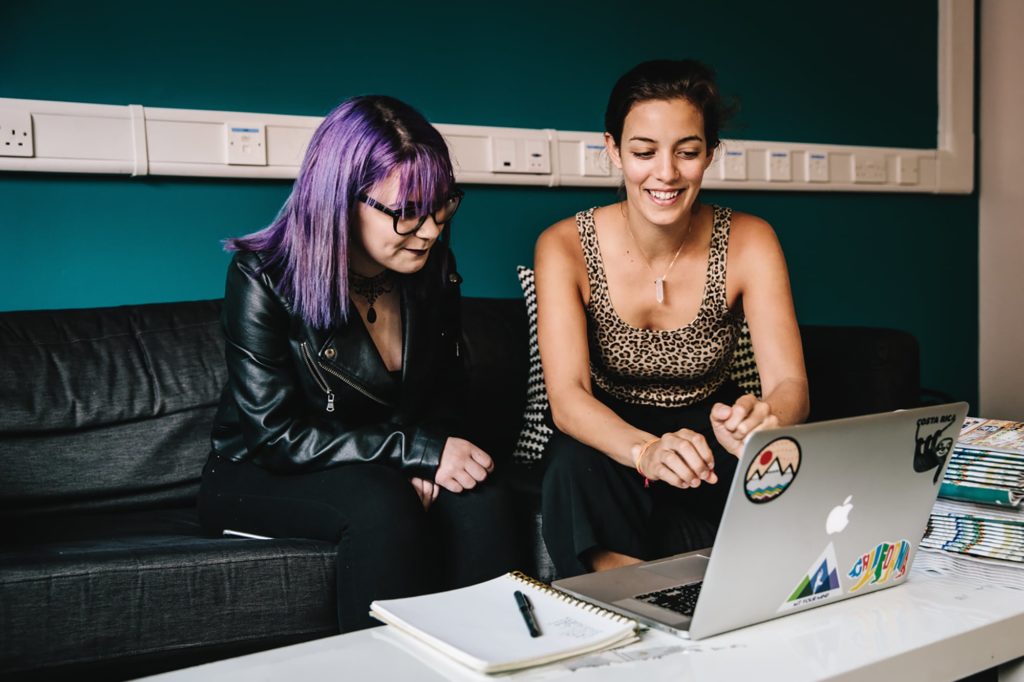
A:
388,546
591,502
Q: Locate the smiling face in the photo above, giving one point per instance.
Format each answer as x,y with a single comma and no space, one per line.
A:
375,244
663,157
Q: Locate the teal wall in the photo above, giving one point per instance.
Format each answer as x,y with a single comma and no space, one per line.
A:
873,259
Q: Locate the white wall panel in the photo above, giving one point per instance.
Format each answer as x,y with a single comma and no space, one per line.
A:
1001,212
74,137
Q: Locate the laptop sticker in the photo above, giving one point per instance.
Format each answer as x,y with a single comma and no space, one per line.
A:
772,470
933,443
821,581
887,561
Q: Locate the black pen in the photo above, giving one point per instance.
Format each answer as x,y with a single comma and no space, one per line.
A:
526,608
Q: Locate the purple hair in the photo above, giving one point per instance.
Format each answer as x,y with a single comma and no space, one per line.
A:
358,145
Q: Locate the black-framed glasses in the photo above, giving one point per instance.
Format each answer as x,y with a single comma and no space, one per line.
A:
406,224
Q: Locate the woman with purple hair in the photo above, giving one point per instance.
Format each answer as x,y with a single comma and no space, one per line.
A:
340,418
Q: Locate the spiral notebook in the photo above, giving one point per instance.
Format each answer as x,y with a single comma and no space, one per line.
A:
481,627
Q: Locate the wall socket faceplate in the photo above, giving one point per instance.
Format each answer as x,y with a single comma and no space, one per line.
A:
817,166
595,160
869,168
735,163
520,155
16,133
246,144
908,170
780,165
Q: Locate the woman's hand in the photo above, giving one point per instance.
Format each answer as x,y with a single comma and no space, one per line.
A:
426,490
462,466
733,424
681,459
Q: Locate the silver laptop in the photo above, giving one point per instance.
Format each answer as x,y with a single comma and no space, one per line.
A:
816,513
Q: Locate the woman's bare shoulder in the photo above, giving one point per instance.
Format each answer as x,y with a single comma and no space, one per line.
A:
748,231
559,236
754,251
560,243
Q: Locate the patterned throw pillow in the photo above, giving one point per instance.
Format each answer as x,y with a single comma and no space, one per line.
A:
744,368
534,434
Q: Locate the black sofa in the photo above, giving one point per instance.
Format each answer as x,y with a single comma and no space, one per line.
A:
104,428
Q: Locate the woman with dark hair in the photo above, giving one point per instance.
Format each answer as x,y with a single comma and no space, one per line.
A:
340,419
638,319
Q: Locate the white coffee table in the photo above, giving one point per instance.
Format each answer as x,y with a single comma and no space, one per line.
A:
931,628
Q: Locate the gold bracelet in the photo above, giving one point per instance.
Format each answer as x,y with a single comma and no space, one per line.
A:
643,451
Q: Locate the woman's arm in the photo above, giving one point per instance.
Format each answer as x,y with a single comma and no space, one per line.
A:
682,458
462,463
757,268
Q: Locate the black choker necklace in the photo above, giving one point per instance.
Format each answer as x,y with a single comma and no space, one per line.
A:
371,288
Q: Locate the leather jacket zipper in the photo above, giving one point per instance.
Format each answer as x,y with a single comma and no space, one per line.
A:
318,377
313,367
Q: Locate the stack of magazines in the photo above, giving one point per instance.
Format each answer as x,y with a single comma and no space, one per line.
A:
976,528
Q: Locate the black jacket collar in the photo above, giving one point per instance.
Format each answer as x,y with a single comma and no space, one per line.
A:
350,350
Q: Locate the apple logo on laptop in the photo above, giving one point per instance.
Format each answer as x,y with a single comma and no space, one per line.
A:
839,517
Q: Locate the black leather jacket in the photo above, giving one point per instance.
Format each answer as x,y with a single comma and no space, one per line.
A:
299,398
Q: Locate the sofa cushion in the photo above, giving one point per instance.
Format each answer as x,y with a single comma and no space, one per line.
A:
495,351
137,464
101,586
106,407
860,370
78,369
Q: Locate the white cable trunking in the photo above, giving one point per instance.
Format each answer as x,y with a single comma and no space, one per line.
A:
70,137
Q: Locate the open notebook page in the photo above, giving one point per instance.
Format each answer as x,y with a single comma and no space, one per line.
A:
481,626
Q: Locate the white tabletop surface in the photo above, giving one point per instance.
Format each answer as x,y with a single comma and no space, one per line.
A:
930,628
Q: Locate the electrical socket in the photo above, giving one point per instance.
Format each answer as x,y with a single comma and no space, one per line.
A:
595,160
908,170
780,166
716,171
520,155
538,156
16,133
869,168
735,164
247,144
817,167
503,155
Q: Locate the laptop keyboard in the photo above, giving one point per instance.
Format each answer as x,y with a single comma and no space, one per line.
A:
681,599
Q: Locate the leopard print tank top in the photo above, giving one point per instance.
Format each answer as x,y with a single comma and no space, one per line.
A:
666,368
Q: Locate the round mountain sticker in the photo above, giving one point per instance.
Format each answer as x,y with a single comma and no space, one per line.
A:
772,470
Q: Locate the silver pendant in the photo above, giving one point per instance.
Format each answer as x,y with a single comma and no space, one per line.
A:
659,289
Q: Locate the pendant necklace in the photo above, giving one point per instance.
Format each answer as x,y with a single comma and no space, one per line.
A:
371,288
659,282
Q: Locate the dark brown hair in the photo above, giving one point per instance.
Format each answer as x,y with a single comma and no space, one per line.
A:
667,79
